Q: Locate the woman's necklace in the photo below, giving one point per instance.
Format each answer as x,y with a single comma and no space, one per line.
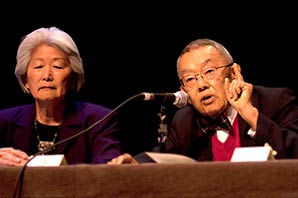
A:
46,136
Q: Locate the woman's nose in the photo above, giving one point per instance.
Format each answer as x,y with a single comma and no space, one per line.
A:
47,74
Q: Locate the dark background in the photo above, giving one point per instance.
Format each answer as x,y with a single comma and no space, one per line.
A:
128,48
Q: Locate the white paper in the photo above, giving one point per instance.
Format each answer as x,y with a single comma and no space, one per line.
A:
170,158
48,160
257,153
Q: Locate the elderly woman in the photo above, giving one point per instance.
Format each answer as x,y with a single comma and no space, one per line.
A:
49,67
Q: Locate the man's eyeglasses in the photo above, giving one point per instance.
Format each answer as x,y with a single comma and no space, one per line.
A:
190,80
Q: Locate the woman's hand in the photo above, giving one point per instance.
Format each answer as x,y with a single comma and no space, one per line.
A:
12,157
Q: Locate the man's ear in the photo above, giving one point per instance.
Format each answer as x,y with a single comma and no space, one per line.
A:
236,72
182,89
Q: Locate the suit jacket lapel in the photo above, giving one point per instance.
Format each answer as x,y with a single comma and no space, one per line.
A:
71,125
245,139
23,137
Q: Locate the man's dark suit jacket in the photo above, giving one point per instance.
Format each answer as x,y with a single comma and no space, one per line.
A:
98,145
277,125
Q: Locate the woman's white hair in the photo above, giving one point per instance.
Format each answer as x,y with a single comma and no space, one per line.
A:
55,37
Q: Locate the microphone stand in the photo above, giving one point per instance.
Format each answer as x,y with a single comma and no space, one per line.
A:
162,130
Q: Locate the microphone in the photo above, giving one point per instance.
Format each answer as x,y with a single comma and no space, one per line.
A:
178,98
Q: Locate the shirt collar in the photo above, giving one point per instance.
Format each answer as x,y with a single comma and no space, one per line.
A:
231,114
